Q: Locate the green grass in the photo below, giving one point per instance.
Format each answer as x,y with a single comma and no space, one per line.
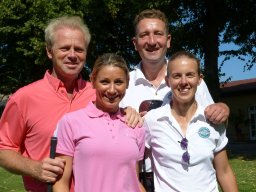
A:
244,168
10,182
245,171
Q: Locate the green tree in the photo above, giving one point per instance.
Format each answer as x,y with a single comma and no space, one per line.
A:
198,26
22,48
201,26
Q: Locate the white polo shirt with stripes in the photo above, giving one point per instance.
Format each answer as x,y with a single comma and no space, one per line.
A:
163,136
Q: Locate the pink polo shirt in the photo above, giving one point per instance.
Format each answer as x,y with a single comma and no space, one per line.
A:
104,150
31,115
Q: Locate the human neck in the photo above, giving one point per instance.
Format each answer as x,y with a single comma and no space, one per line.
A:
70,86
183,113
154,73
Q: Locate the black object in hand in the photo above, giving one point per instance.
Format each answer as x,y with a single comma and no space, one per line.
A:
53,145
147,105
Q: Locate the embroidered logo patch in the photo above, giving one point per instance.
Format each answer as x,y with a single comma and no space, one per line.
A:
204,132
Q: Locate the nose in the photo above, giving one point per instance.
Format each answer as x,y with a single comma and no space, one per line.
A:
112,89
184,80
72,55
152,40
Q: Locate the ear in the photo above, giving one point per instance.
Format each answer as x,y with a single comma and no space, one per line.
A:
167,81
201,76
128,80
169,38
92,82
49,52
134,41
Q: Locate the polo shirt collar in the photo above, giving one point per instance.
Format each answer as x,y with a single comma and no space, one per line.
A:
94,112
56,83
199,115
164,114
139,76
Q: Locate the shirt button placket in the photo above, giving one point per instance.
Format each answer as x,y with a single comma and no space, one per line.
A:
110,128
113,132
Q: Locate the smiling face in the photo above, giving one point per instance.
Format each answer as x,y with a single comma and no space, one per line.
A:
68,53
183,79
151,40
110,83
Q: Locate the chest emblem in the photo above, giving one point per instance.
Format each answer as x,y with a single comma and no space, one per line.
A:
204,132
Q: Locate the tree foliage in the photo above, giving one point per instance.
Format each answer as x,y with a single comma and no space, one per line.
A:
195,25
22,48
240,29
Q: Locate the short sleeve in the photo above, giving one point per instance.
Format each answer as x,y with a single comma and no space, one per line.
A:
12,127
223,140
65,145
203,96
141,141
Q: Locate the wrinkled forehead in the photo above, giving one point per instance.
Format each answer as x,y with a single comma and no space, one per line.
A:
149,24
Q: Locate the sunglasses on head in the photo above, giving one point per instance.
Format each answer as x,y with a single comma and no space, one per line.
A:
147,105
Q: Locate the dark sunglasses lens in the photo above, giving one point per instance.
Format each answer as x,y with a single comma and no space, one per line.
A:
186,157
155,104
184,143
147,105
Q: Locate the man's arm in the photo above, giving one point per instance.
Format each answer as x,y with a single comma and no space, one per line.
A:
132,117
217,113
46,170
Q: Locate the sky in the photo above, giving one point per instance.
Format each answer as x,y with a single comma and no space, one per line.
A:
234,67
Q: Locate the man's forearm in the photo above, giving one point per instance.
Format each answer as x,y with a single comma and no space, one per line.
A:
14,162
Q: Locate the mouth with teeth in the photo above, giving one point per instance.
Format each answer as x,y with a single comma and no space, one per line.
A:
183,90
152,50
113,98
71,65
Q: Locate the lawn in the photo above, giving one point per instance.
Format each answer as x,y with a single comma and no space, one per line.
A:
10,182
244,168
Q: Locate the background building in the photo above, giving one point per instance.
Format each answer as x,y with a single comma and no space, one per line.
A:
240,96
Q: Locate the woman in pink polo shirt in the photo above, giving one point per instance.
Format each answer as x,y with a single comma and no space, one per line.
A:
99,148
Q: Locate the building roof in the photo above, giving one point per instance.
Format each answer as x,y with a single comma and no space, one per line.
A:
238,86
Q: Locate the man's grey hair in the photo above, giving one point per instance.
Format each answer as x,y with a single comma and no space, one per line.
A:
72,22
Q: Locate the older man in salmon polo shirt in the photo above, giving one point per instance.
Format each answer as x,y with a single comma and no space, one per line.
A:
31,114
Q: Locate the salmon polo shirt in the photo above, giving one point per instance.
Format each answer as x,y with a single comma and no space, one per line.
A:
31,115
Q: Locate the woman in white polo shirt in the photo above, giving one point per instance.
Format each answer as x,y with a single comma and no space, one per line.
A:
188,152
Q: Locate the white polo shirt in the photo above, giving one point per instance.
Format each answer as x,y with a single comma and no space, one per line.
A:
164,134
141,89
